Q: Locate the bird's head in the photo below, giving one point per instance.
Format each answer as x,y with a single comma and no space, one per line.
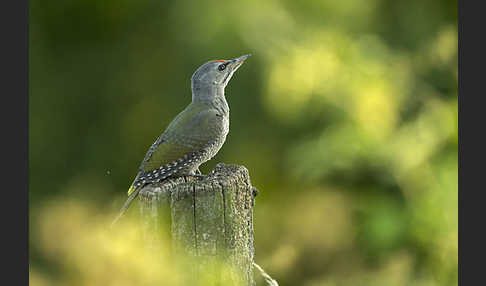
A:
217,72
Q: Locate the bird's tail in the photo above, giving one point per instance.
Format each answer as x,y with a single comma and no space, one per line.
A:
131,189
132,194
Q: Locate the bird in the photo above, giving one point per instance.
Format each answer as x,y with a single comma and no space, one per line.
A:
195,135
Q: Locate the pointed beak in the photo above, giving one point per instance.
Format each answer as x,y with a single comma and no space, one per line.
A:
237,62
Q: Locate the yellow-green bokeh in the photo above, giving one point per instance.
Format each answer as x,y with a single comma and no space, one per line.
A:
345,116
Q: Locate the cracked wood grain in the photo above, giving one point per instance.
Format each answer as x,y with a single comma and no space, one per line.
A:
210,218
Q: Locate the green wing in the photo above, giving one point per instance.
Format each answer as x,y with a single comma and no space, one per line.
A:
164,154
190,131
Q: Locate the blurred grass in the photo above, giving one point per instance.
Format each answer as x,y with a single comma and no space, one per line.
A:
345,116
74,236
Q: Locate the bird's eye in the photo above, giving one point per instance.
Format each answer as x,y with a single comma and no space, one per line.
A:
221,67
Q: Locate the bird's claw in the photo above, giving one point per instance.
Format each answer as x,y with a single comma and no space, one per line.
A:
198,175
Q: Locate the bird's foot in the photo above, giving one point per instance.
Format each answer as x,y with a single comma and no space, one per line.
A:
197,175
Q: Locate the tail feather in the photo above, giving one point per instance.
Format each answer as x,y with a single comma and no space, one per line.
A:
131,189
132,194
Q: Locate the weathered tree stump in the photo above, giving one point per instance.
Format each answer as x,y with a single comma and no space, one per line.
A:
210,217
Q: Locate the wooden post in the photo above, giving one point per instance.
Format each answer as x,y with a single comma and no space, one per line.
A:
210,218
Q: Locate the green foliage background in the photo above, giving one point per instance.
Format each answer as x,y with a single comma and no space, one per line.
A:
345,116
